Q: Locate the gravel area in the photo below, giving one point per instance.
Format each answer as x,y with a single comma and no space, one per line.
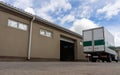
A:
59,68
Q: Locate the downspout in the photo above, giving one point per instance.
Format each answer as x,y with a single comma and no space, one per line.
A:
30,38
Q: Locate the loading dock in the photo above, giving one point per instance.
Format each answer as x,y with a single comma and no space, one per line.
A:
67,50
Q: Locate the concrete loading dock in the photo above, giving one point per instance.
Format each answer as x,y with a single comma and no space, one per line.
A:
25,36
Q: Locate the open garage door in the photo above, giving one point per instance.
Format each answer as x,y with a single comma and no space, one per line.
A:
67,49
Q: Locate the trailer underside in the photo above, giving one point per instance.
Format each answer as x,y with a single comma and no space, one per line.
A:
100,56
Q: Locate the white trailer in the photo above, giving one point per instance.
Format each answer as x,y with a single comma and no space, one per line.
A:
99,45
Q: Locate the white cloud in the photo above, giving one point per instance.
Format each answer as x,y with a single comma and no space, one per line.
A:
92,0
83,11
23,4
82,24
44,15
30,10
110,9
87,8
53,6
86,11
49,6
2,0
60,4
67,18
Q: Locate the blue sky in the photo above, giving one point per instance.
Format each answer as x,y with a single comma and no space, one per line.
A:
76,15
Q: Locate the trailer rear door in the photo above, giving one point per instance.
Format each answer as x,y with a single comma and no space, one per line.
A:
98,36
87,41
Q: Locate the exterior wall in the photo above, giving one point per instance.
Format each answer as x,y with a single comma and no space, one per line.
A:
13,42
45,47
80,54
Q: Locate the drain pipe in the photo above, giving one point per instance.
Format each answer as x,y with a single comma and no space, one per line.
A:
30,38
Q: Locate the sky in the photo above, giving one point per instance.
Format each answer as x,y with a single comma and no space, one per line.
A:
76,15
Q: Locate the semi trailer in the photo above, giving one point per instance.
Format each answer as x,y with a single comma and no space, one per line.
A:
98,44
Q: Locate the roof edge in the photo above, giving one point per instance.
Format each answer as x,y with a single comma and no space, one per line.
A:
29,15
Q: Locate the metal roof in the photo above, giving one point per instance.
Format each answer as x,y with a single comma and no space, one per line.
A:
26,14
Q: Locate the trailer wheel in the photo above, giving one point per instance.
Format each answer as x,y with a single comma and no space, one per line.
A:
116,61
109,60
103,60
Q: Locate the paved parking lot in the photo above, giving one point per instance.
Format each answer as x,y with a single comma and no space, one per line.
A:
59,68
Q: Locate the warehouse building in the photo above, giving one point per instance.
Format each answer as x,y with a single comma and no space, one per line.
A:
25,36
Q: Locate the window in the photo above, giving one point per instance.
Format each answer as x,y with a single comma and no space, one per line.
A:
17,25
12,23
48,34
81,43
22,26
45,33
42,32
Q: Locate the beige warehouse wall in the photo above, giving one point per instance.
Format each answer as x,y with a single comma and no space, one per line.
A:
80,54
45,47
13,42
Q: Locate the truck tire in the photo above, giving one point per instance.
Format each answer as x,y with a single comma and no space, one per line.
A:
116,61
109,60
103,60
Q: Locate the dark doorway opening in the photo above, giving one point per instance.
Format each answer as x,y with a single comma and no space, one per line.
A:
66,51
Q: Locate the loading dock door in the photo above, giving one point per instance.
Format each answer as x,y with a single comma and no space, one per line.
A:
66,51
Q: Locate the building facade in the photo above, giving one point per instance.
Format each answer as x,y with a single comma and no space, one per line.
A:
25,36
